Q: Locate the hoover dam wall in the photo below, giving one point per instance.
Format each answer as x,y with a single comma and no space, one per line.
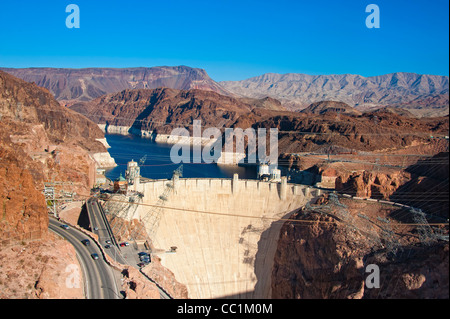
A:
227,251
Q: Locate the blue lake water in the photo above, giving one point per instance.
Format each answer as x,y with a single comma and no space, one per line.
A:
158,164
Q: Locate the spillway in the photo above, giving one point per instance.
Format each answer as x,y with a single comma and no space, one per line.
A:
225,230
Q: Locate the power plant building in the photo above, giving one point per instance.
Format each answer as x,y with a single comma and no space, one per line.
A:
267,172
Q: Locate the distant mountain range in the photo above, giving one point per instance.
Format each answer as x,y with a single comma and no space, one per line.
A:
420,94
87,84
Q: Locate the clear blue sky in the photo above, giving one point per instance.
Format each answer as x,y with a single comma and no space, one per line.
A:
230,39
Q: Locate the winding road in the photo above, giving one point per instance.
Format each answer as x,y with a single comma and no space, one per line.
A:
98,276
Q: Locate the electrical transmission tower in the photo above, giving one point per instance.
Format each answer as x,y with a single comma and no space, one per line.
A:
142,160
120,209
389,238
427,234
55,192
150,222
385,238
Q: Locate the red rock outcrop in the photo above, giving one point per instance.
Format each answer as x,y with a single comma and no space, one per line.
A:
327,258
423,184
135,286
24,211
39,141
428,186
163,109
40,270
371,184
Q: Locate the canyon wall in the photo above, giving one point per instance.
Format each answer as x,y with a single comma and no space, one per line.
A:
43,141
325,258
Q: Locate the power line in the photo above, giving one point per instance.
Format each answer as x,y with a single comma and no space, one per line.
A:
254,217
162,123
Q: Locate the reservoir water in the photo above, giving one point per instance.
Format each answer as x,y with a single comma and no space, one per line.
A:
158,164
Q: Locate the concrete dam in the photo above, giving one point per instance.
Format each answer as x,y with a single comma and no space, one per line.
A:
225,231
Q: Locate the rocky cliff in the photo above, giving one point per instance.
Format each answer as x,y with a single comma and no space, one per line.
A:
325,251
39,270
380,132
24,211
40,141
423,184
58,139
161,109
428,187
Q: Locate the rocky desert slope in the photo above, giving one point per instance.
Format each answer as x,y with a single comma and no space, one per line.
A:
321,124
324,252
163,109
48,134
424,95
323,107
40,141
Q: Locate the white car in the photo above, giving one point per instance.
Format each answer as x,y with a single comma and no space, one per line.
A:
65,227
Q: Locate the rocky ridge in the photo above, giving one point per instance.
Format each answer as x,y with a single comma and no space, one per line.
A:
160,110
72,85
421,94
